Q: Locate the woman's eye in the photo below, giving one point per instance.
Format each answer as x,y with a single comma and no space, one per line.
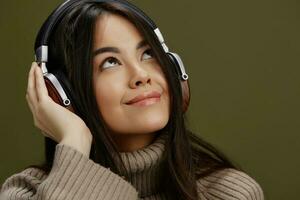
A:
109,62
112,61
150,54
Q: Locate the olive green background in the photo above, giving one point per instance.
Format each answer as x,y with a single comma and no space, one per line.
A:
242,58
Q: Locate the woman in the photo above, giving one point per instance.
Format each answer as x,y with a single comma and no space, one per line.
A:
115,145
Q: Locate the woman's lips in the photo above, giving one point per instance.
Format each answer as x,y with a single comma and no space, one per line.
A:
146,98
146,102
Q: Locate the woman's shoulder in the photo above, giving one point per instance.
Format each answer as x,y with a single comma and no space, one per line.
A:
229,184
26,180
71,175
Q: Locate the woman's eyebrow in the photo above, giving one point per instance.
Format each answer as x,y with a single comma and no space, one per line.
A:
116,50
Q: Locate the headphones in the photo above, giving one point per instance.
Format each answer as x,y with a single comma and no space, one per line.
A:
56,82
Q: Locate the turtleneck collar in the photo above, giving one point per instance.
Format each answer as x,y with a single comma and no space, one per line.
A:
144,166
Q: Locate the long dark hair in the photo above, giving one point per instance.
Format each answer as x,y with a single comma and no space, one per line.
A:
188,157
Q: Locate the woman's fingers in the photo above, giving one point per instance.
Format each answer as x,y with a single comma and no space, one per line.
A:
36,92
29,102
41,89
31,96
30,93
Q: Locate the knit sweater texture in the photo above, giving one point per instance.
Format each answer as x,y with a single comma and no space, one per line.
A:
75,176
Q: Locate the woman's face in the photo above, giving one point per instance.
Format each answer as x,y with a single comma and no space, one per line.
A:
123,68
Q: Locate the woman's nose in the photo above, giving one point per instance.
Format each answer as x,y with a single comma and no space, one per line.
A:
140,77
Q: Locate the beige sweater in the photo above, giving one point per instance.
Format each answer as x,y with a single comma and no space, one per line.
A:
75,176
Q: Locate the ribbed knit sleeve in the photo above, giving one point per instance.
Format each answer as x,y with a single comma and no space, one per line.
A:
73,176
229,184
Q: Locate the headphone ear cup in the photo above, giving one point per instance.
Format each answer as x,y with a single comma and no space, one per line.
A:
185,89
52,92
54,79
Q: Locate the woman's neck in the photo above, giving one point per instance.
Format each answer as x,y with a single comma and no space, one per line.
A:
133,142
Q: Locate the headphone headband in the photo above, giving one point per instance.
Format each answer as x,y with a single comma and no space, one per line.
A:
61,10
41,51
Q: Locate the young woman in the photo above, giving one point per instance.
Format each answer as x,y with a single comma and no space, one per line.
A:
125,137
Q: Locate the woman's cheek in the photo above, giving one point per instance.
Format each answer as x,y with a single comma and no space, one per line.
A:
109,94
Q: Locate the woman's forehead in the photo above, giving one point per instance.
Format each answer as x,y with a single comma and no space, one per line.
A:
115,30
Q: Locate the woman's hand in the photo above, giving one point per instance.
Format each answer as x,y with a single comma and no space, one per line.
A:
55,121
